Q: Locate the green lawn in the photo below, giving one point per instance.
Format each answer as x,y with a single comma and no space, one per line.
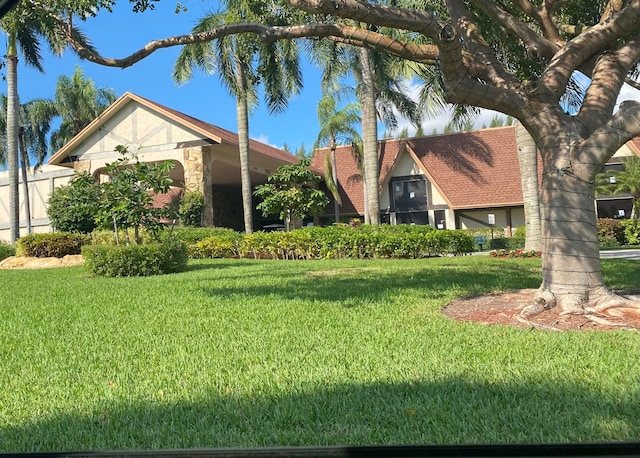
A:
243,353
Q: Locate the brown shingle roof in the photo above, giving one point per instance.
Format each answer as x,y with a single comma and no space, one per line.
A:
471,169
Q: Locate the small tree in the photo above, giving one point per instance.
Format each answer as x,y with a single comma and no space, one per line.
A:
127,198
291,193
72,208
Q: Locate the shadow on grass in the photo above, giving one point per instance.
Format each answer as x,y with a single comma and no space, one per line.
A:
361,283
450,411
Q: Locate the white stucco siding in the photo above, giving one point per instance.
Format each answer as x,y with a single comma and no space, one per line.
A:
436,197
622,152
41,185
135,126
406,166
500,214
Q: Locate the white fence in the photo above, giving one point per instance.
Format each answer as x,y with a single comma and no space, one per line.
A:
41,185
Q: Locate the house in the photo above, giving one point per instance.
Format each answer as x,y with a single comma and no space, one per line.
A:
451,181
206,159
461,180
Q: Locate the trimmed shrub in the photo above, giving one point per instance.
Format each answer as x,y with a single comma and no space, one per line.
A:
631,231
6,250
125,237
190,235
365,241
610,232
225,244
521,232
55,245
507,243
136,260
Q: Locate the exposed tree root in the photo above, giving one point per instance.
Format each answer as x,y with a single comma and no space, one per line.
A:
605,322
602,305
534,325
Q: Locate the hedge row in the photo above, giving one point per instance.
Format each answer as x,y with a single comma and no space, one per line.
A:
135,260
51,245
335,242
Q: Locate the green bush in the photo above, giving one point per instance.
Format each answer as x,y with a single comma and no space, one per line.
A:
6,250
190,235
225,244
631,231
55,244
521,232
125,237
365,241
506,243
72,208
610,232
191,209
136,260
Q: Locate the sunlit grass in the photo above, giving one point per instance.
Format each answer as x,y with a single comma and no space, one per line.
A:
239,353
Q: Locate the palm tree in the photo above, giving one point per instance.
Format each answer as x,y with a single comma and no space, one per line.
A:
32,143
78,102
623,181
244,62
337,126
380,89
25,25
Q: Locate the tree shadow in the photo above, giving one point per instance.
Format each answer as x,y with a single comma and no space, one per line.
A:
361,284
427,410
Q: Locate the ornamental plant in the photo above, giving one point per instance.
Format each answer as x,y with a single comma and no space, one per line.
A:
291,193
515,254
127,198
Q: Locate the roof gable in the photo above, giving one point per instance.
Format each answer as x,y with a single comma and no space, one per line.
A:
470,169
189,128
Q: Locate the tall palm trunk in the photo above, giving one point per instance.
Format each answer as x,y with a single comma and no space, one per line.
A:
369,140
12,137
334,177
242,110
528,161
25,180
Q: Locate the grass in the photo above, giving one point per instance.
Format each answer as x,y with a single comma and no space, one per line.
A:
242,353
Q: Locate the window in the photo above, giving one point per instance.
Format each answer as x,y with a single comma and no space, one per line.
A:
408,194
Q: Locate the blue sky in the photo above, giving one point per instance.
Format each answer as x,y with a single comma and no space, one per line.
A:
123,32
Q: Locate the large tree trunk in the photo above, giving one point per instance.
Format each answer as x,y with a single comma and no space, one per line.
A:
12,140
370,139
528,161
571,271
242,110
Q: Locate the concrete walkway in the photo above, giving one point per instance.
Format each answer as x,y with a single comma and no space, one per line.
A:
620,254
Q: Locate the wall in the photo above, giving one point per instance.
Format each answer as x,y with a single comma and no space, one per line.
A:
41,185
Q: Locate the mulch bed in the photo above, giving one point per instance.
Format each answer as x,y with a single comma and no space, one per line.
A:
503,309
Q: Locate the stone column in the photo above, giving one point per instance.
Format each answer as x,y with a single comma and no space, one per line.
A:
197,177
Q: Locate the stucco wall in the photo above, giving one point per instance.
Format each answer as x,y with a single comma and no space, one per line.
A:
41,185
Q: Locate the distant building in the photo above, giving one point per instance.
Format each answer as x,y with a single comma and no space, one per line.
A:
206,159
451,181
